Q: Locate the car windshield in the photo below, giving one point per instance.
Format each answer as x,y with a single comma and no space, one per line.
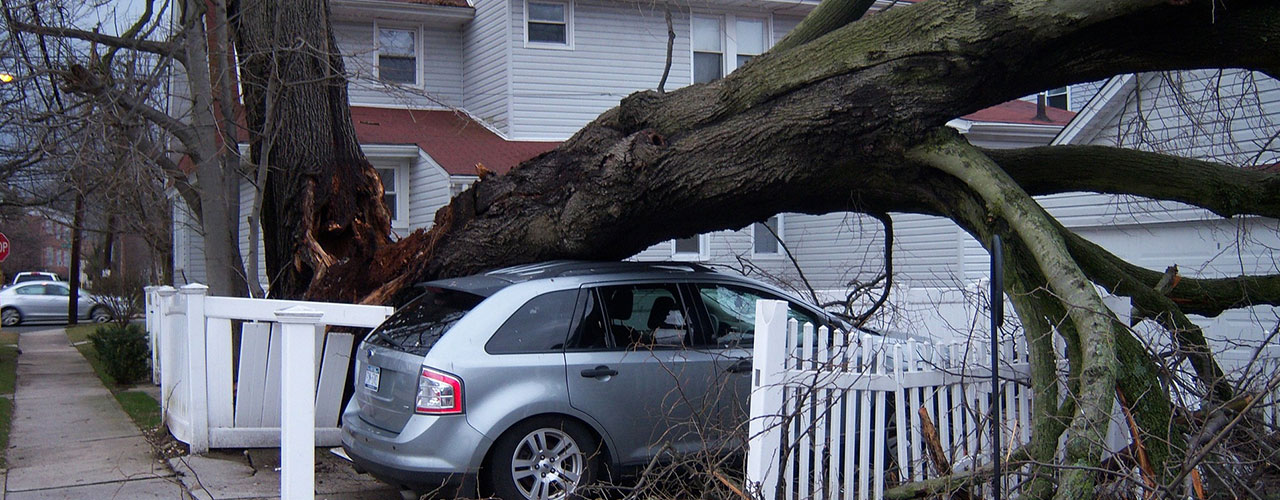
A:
420,323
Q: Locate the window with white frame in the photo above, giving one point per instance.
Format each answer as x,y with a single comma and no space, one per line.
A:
692,248
393,192
1058,98
708,48
398,55
767,237
549,23
750,39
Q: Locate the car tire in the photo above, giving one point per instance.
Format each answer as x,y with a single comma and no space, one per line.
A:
10,317
543,458
100,314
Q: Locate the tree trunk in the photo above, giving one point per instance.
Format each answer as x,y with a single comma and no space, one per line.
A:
323,200
73,272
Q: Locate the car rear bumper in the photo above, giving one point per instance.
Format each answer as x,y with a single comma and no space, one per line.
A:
432,484
439,455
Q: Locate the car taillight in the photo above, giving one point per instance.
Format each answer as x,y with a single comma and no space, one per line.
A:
439,393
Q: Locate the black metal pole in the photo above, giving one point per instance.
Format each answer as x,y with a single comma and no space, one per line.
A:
997,318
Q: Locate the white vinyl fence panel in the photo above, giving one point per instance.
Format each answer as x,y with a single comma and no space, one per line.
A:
282,387
835,416
216,398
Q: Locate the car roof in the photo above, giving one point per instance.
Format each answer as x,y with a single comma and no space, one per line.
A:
488,283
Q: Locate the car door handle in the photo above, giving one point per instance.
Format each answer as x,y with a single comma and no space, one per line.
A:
599,371
742,366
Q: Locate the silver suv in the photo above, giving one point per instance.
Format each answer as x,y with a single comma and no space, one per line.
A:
529,381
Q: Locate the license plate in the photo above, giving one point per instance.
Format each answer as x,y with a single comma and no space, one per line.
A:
372,376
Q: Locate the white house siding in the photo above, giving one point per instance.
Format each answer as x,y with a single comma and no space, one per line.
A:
188,246
1224,116
440,67
246,207
486,52
428,191
1081,93
617,48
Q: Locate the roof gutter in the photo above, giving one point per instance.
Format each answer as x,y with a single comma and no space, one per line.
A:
402,11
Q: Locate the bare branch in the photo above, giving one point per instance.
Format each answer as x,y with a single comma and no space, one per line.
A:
168,48
1224,190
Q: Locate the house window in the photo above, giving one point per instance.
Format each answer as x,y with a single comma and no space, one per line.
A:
549,23
692,248
391,193
1058,98
398,56
708,49
767,237
750,38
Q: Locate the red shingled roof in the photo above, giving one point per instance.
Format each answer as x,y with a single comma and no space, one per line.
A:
453,139
1019,111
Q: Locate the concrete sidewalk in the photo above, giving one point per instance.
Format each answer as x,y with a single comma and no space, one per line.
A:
70,439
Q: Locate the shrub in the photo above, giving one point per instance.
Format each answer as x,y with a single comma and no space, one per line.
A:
123,351
122,294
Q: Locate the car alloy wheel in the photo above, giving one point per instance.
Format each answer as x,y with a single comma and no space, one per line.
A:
100,315
543,459
10,317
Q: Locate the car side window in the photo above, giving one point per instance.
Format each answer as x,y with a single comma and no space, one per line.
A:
57,290
589,333
731,310
30,290
641,316
540,325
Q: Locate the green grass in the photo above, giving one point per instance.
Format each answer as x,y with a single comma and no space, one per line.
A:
8,361
8,374
141,407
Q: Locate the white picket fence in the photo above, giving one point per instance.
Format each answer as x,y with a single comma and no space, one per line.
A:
283,386
838,417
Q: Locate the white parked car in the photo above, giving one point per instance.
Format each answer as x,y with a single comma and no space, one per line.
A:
26,276
47,300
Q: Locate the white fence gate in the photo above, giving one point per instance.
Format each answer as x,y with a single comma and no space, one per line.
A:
837,417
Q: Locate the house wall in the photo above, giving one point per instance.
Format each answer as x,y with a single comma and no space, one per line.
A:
440,68
1228,117
188,247
428,191
247,193
617,48
486,75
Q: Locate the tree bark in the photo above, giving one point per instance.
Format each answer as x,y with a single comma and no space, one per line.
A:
323,200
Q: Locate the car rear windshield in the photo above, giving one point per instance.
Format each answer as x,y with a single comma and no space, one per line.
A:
420,323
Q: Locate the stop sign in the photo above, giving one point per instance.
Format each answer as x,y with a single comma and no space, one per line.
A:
4,247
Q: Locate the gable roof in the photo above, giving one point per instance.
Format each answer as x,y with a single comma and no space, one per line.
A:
454,140
1106,103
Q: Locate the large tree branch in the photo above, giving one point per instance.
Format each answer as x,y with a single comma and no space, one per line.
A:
167,48
1033,229
827,17
1224,190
